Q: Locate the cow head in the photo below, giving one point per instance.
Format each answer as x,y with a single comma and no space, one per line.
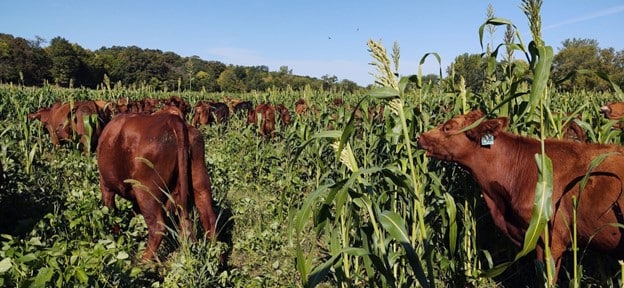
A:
455,139
613,110
300,106
284,114
201,114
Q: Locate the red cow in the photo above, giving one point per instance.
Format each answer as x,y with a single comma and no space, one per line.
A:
147,105
88,113
264,117
573,131
242,106
176,101
506,172
201,114
613,111
300,106
283,113
56,120
143,157
63,120
210,112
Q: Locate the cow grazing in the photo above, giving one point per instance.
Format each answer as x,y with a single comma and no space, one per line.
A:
209,113
89,114
178,102
56,120
64,120
506,172
300,106
263,116
146,105
284,115
143,157
613,111
242,107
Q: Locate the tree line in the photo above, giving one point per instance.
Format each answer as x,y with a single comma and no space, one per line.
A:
576,66
67,64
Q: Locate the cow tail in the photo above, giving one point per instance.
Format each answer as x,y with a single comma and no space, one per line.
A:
184,173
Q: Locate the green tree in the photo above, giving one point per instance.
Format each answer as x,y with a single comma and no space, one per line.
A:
329,81
65,62
468,66
347,85
229,82
23,61
575,55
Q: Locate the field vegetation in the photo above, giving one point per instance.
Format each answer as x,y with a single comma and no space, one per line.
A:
342,197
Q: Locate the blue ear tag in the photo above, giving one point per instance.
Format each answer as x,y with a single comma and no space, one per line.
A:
487,140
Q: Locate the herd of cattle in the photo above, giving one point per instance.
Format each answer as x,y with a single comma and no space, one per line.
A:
86,119
148,154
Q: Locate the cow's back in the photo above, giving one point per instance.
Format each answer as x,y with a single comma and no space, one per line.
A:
139,147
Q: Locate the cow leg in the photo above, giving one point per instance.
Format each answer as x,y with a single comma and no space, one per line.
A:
155,220
202,186
203,202
108,196
181,210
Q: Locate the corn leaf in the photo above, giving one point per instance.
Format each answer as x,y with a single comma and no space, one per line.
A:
395,226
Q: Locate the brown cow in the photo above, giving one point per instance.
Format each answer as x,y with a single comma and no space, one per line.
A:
506,172
143,157
573,131
62,120
264,117
176,101
300,106
88,113
283,113
146,105
209,113
242,107
56,120
614,111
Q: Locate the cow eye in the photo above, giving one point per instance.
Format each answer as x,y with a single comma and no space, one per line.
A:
447,128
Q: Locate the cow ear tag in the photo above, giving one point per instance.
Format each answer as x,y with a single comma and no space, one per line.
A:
487,139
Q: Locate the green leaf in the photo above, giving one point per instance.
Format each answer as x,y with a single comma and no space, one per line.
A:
451,210
542,74
395,226
303,215
494,22
81,275
5,265
542,205
27,258
122,255
43,277
384,93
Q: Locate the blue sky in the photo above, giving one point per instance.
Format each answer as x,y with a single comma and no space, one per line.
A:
312,38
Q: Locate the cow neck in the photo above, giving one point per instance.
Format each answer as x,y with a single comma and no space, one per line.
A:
506,167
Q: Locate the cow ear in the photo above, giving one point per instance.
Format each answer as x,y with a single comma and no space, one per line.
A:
492,127
499,124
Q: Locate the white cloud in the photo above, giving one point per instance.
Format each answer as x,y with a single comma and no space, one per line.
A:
598,14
